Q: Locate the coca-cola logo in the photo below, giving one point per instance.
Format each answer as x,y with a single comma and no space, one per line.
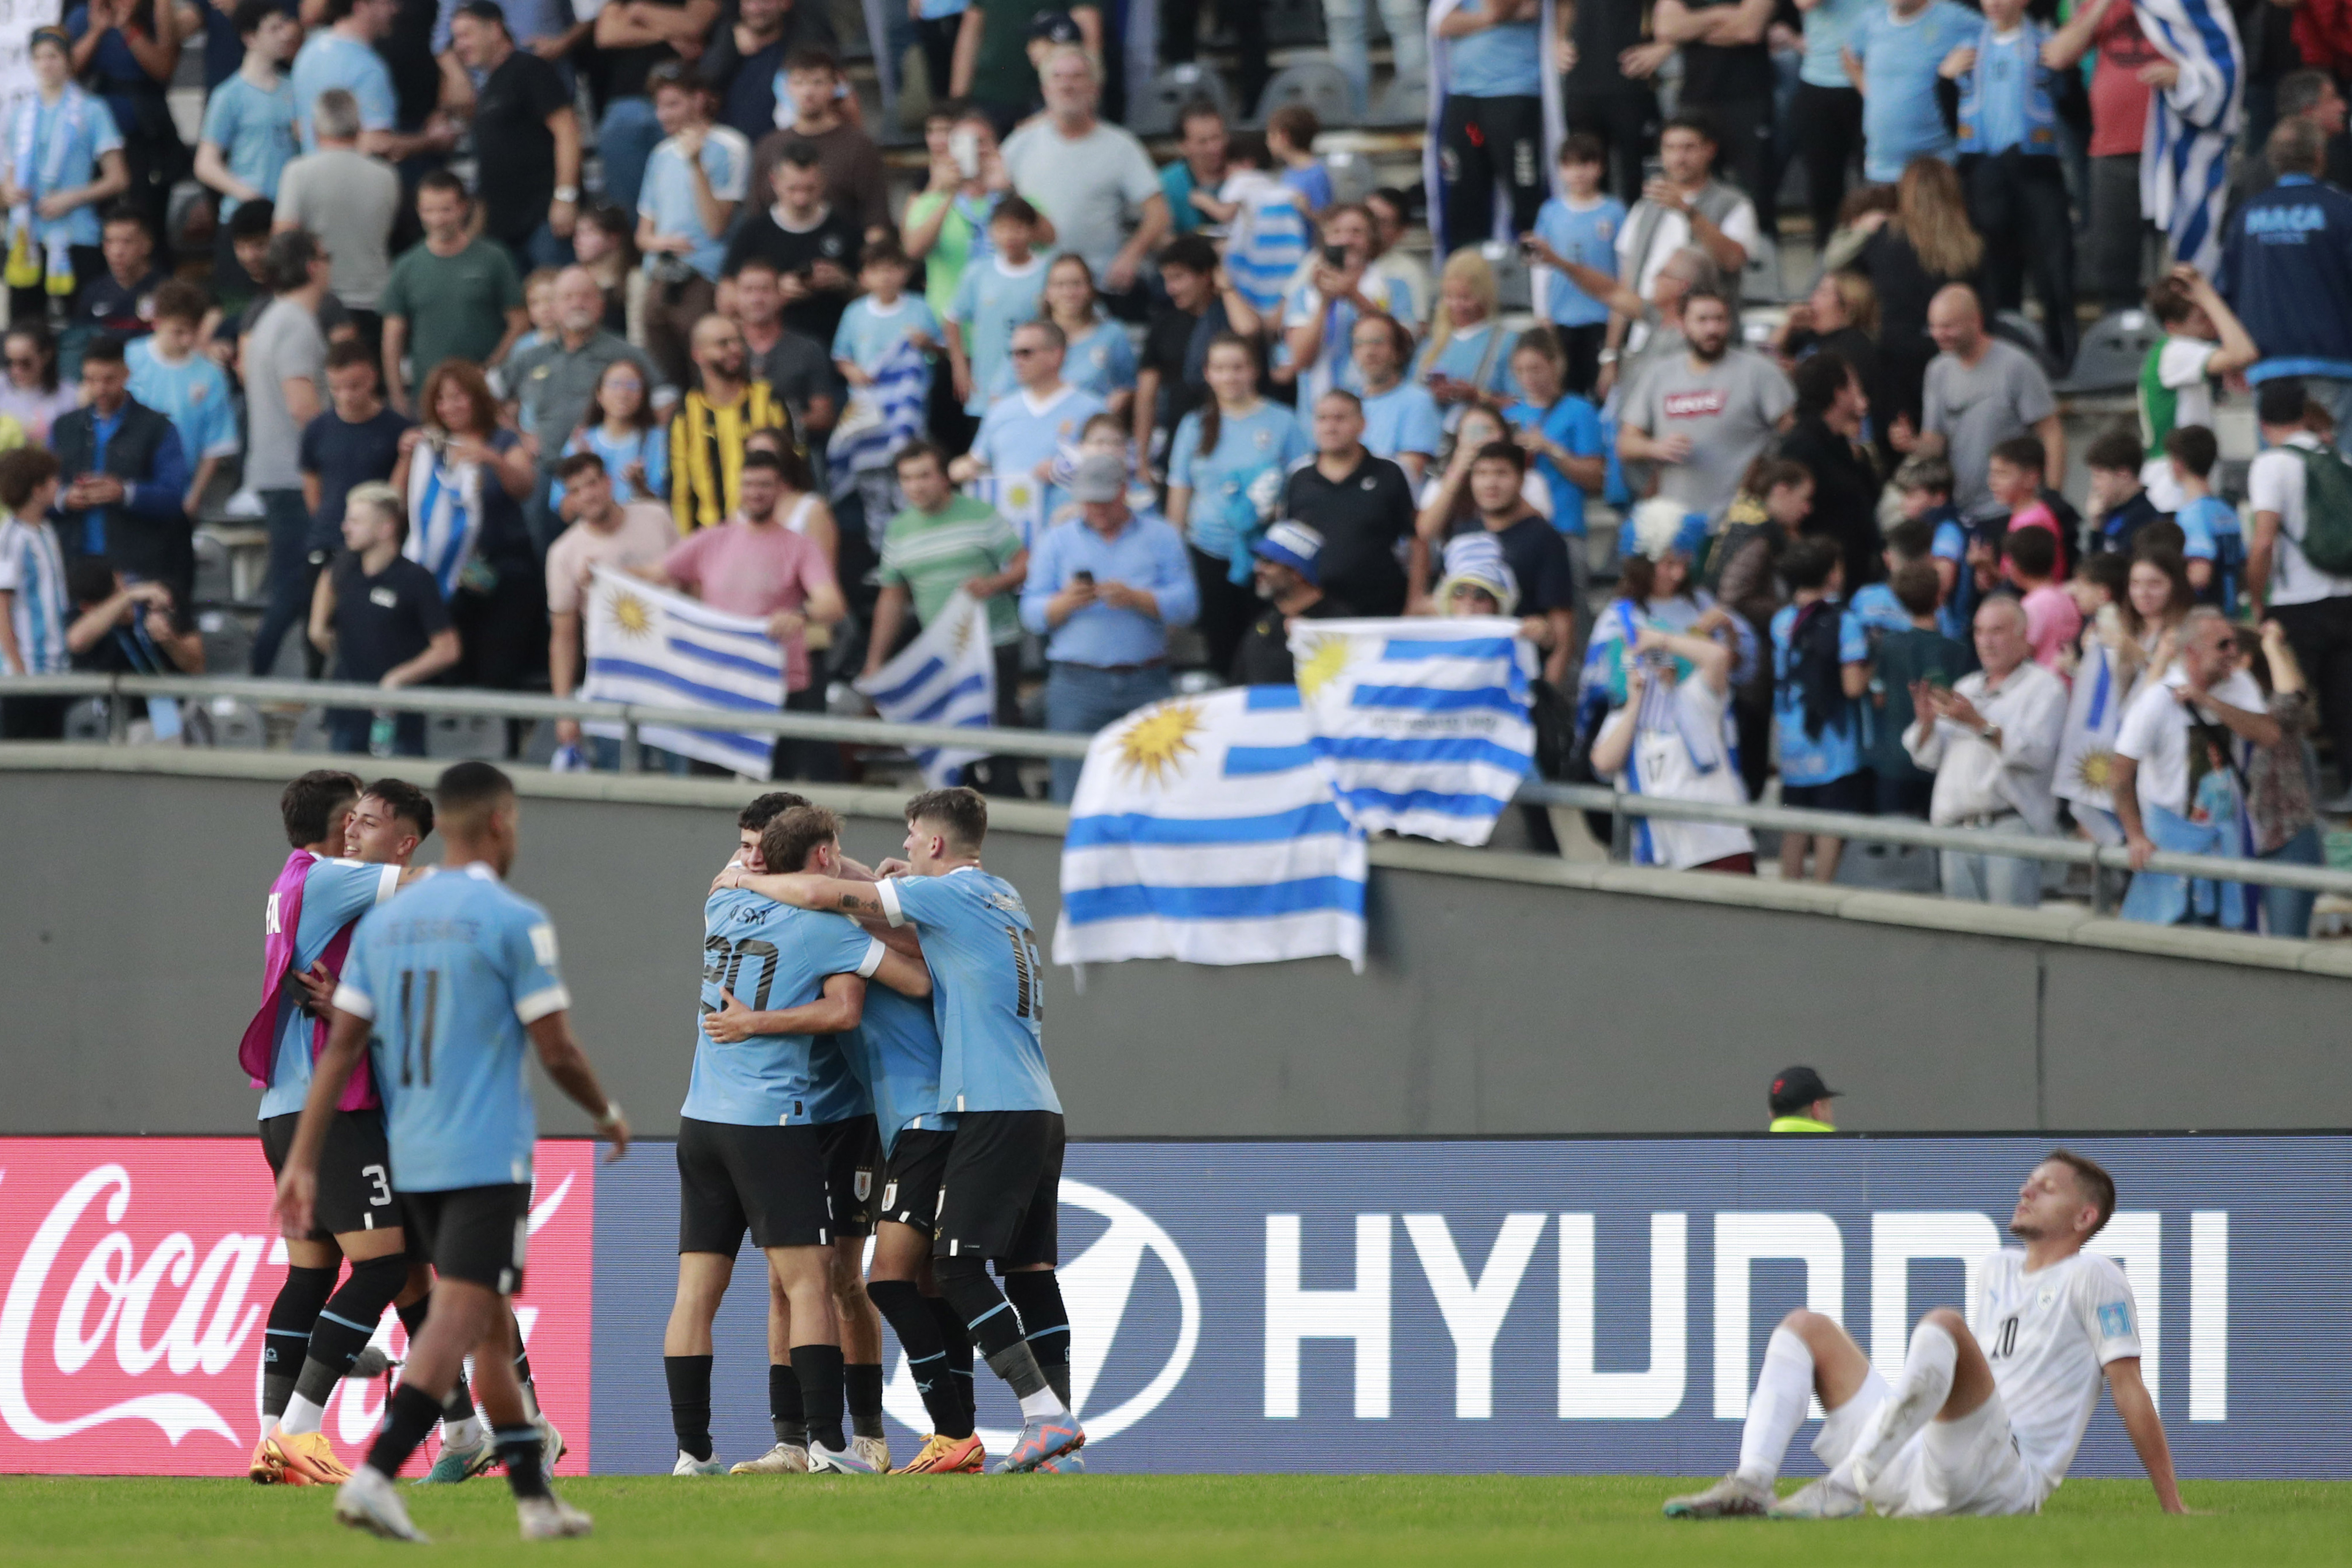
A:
139,1273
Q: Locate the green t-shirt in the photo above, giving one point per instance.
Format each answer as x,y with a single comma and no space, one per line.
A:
933,554
1903,657
456,306
1001,72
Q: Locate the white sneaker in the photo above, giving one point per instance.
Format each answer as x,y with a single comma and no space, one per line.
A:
846,1461
368,1501
1828,1498
551,1518
1729,1498
687,1465
784,1459
875,1452
550,1444
245,503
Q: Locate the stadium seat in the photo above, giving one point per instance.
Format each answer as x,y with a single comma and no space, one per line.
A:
1313,81
1890,868
2014,326
1513,287
1759,281
459,736
238,725
87,720
1353,175
2114,349
1151,109
1404,100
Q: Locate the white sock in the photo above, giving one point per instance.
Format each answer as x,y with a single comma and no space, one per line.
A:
1043,1405
300,1416
1926,1383
1784,1391
463,1436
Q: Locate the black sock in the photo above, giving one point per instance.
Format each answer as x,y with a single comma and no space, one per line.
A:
460,1406
862,1382
818,1367
988,1318
519,1451
522,1366
910,1317
689,1402
958,1343
786,1411
408,1416
347,1322
286,1338
1036,1295
1018,1366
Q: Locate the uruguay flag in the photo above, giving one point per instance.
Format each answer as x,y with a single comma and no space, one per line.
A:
947,675
1420,727
1202,832
646,644
880,418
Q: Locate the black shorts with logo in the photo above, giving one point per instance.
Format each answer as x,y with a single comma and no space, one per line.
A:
910,1192
1001,1195
769,1180
477,1234
853,1173
354,1171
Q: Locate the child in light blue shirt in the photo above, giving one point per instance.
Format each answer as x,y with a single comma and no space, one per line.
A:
996,294
2214,546
884,317
248,131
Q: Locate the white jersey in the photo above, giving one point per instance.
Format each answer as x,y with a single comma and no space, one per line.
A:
2048,1335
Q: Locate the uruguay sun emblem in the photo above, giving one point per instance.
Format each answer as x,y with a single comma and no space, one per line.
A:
632,615
1326,660
1154,744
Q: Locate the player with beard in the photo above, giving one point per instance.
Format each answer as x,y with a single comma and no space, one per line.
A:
1704,416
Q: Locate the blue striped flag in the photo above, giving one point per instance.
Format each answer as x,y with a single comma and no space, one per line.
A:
646,644
880,418
1202,832
1422,726
947,675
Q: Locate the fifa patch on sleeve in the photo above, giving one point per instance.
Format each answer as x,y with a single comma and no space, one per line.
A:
2115,1319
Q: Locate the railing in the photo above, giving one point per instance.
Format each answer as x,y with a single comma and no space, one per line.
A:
1621,808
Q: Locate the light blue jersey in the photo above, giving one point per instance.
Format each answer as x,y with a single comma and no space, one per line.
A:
1016,435
33,574
895,1054
836,1091
1828,27
1101,362
328,59
1876,606
667,195
988,987
1836,751
334,894
1587,236
193,394
56,147
991,298
770,957
255,129
1401,419
1900,119
1480,355
868,334
452,974
1224,509
1500,61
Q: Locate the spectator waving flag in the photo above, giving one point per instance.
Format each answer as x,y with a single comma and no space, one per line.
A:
1422,727
648,645
880,419
1203,832
947,675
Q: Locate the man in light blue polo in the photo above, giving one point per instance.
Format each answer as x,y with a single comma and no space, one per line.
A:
1103,589
1024,431
344,53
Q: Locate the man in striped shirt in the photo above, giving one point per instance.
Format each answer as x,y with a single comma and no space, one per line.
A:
713,421
944,541
32,593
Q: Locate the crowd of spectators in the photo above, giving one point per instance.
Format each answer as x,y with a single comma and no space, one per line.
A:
1170,409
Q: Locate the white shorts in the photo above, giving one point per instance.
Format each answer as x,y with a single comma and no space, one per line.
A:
1967,1465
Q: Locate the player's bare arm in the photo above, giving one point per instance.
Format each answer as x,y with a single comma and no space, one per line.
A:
2145,1427
841,1006
804,889
560,1054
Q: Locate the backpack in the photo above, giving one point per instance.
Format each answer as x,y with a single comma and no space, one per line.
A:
2326,541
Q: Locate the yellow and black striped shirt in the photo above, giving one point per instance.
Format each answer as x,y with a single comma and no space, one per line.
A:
706,452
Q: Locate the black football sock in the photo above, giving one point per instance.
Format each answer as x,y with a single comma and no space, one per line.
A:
409,1416
1036,1295
522,1372
787,1412
286,1338
518,1450
862,1383
689,1402
818,1367
958,1341
910,1317
460,1406
347,1322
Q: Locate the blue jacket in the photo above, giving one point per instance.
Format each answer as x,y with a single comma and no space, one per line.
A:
2286,270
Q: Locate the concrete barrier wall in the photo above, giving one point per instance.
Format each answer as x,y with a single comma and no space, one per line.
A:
1503,994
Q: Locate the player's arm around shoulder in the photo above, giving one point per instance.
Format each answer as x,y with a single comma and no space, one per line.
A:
805,890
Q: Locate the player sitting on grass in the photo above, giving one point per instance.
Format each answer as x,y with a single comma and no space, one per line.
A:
1987,1413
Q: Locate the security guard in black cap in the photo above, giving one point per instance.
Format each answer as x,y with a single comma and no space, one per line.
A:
1801,1101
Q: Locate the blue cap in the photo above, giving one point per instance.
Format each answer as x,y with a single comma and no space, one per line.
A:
1294,544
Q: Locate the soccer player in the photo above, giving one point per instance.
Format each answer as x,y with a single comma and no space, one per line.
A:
749,1152
315,1331
441,991
1987,1411
1001,1184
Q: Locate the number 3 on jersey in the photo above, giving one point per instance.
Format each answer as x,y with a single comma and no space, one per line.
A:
1030,1001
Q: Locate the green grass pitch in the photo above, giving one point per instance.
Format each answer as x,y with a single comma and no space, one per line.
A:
1107,1522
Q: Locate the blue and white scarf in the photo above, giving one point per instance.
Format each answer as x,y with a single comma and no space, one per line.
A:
444,516
47,164
2184,169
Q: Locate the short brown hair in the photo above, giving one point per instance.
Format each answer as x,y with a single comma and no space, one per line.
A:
314,799
24,470
1917,587
2024,452
2193,447
2098,1187
179,300
1296,123
471,381
343,356
962,812
786,842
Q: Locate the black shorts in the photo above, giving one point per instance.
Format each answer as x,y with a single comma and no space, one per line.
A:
472,1233
769,1180
1856,793
853,1173
1001,1195
910,1192
354,1172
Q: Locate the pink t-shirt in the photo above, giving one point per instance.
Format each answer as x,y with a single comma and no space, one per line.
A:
2034,516
645,534
755,571
2051,622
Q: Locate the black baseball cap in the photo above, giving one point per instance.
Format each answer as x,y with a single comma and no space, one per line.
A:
1054,27
1793,1087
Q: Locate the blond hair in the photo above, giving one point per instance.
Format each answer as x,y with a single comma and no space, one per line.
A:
1469,267
1931,214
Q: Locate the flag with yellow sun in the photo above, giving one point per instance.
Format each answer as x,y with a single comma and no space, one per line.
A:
648,645
1202,832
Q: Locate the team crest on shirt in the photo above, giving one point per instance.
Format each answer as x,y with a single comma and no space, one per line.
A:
1100,357
830,244
1265,438
1605,230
